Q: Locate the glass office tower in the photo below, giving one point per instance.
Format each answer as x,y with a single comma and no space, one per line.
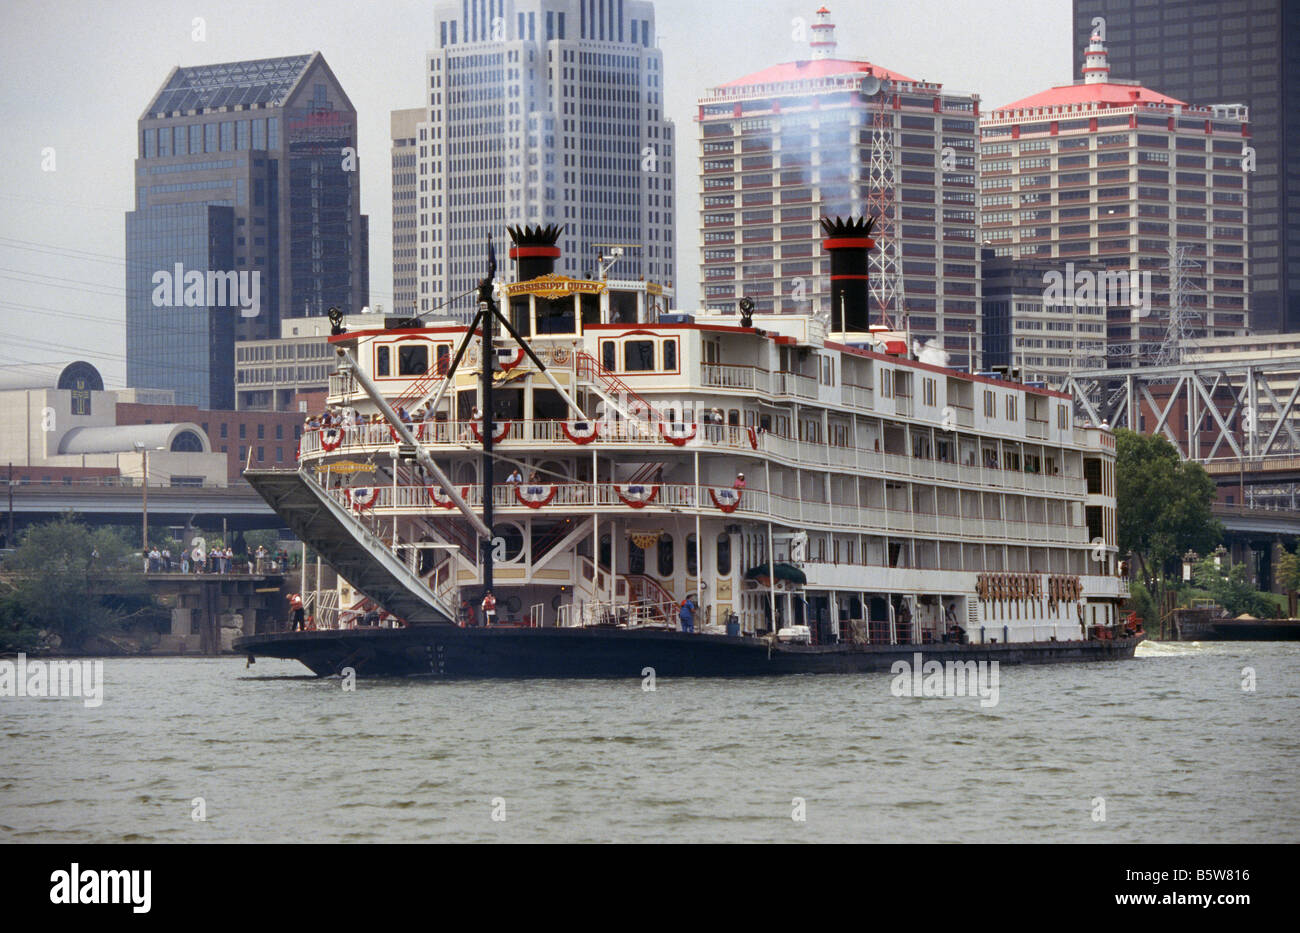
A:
1228,52
273,142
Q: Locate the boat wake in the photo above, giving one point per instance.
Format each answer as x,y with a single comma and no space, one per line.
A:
1168,649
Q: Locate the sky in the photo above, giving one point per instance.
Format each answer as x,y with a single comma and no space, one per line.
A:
78,73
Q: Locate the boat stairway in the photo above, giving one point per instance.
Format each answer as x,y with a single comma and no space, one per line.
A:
343,540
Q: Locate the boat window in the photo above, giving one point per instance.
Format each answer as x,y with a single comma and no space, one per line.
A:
639,356
724,554
733,417
607,355
444,358
665,555
382,361
670,355
635,558
412,360
692,558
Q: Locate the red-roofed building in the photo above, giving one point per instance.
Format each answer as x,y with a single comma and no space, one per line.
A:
1110,172
786,145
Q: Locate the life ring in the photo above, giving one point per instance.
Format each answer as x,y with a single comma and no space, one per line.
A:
509,364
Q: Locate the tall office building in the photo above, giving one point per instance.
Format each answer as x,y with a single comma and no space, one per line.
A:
247,208
543,112
405,128
1113,172
1233,52
783,146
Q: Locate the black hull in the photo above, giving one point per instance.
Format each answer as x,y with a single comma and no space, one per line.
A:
1239,631
449,651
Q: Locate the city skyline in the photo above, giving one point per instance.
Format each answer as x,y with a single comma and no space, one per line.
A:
63,229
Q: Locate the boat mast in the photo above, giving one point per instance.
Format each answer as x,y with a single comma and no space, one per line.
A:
488,309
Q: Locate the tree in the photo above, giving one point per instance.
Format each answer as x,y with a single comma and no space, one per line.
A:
1163,503
1287,569
1229,588
58,582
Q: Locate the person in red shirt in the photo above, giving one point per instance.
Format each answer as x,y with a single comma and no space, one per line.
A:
489,608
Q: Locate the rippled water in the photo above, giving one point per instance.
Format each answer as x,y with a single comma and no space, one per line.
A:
1176,748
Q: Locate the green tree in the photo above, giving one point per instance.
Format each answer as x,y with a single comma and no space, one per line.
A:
1229,588
1287,569
57,579
1163,504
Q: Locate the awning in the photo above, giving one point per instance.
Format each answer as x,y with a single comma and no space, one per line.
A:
784,571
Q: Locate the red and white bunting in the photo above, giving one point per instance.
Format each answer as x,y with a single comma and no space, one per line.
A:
636,496
331,438
535,496
499,431
362,497
727,500
443,501
415,427
675,435
753,438
581,432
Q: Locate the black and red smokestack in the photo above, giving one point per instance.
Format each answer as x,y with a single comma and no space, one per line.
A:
848,241
534,250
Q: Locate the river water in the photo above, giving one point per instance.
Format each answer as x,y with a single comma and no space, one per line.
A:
1172,745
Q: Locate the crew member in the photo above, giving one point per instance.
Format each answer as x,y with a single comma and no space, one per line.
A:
489,608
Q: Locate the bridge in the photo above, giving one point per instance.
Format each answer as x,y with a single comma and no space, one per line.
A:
121,504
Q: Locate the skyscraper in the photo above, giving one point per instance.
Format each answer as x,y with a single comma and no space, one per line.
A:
247,209
405,128
543,111
1231,52
785,145
1110,171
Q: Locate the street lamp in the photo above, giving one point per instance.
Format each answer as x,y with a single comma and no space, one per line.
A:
144,497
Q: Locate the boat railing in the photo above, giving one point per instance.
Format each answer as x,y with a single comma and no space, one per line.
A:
369,439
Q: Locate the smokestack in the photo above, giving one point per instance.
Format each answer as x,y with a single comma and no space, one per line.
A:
534,250
848,241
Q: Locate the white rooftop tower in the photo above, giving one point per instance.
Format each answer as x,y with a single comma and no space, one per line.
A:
1095,68
823,35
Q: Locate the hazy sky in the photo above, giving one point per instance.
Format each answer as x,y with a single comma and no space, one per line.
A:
78,74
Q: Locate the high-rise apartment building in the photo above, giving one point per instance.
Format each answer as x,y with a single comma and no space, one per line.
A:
543,111
1044,334
1231,52
247,209
786,145
1147,185
405,128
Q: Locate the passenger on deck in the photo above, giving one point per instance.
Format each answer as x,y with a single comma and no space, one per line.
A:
687,614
